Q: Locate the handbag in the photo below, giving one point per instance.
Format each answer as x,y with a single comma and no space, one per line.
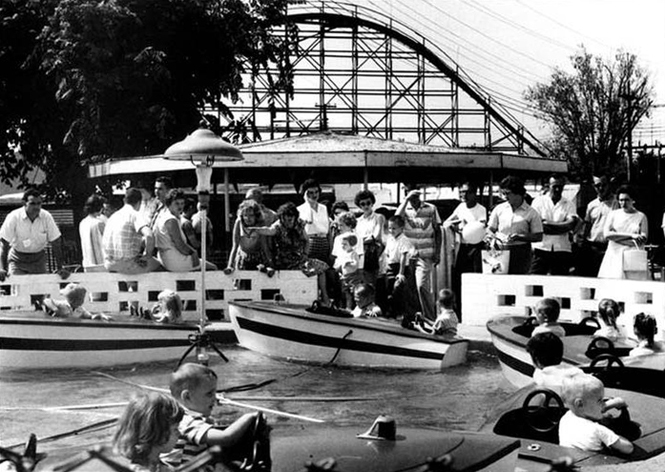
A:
635,260
372,251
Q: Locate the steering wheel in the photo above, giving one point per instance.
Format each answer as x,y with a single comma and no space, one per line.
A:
540,415
599,345
530,322
260,452
611,359
589,321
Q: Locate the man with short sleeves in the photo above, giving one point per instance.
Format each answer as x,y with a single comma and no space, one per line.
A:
23,238
423,228
468,257
128,240
553,255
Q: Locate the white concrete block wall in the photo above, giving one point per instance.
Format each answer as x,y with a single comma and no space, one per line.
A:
487,295
111,293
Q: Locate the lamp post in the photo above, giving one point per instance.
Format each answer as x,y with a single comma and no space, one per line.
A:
203,148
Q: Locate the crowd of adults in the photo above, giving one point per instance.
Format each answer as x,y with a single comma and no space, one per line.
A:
344,249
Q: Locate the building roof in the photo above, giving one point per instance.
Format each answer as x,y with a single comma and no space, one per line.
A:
345,158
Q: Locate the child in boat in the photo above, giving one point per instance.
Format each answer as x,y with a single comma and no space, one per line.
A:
72,305
547,313
400,285
446,320
546,351
363,295
344,225
168,308
346,262
608,312
194,386
645,330
147,428
580,427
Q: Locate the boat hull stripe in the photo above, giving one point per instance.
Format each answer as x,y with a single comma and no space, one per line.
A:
515,364
23,344
327,341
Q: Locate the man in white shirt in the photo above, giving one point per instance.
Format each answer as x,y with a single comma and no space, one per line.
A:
468,257
24,236
553,255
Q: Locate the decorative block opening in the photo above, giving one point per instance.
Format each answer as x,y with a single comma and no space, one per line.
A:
269,293
185,285
189,305
506,300
587,293
99,297
36,300
565,303
215,294
128,286
5,290
242,284
644,298
153,295
533,290
215,315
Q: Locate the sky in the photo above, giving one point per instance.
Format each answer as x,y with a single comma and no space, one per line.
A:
509,45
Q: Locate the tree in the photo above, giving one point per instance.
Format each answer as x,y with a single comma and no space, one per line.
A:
593,110
92,79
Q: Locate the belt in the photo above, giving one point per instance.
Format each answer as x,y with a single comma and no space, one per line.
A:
597,244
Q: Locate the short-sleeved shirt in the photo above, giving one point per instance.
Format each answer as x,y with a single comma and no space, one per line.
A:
596,214
466,215
395,247
122,235
193,429
28,236
316,222
555,212
420,227
553,376
523,220
91,231
446,323
555,329
584,434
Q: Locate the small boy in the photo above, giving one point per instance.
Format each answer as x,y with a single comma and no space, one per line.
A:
580,427
363,295
547,313
194,386
400,286
446,319
347,263
546,350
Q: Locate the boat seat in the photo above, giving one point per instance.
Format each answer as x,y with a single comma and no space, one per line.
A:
537,419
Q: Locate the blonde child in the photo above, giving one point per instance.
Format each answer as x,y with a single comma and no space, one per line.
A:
580,427
147,428
194,386
645,330
446,319
168,308
547,313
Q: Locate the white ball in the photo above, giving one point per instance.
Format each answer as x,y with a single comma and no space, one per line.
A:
473,232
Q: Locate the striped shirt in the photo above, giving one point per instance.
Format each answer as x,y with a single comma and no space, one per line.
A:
193,429
420,228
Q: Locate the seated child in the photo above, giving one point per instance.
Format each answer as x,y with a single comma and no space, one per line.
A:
363,295
446,320
346,262
546,350
168,308
547,313
580,427
72,305
400,287
608,312
195,388
147,428
645,331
